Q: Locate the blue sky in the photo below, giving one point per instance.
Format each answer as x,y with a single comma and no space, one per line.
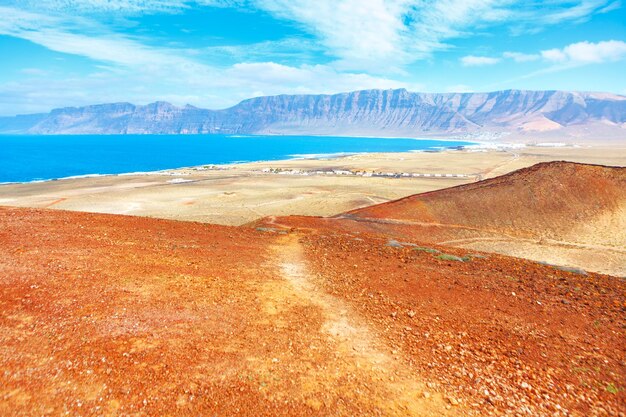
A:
214,53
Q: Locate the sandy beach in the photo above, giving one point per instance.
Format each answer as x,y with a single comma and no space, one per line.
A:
240,193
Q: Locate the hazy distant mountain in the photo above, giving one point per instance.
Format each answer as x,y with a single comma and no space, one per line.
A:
378,112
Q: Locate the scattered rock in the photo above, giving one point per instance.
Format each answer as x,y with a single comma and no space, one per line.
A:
452,401
394,244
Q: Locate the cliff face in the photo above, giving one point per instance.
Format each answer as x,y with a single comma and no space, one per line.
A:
369,111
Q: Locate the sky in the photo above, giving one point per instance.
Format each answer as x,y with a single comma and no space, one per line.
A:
215,53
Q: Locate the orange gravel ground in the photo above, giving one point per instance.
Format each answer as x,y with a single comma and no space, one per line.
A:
116,315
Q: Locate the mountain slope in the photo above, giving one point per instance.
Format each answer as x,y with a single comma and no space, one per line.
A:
548,200
558,212
382,112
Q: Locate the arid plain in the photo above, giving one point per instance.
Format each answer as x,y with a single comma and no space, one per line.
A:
239,193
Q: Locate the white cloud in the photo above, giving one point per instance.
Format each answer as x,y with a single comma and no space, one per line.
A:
610,7
363,37
520,57
387,34
375,35
478,61
587,52
360,34
132,71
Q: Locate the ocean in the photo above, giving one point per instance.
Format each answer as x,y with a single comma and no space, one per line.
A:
37,158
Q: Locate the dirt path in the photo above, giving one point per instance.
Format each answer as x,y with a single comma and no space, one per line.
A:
355,346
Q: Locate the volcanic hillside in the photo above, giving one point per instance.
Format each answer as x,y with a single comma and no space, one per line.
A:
110,315
554,200
561,212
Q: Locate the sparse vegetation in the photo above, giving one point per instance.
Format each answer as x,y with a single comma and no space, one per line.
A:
426,249
611,388
572,269
448,257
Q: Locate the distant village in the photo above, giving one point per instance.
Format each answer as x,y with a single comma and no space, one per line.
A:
343,172
338,172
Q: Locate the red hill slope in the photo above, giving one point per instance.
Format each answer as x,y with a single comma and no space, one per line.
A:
558,212
551,200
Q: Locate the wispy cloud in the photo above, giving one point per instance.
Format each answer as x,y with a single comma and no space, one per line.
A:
131,70
376,35
99,6
355,44
389,34
61,35
478,61
611,6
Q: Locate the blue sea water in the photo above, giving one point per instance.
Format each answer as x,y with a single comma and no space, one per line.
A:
32,158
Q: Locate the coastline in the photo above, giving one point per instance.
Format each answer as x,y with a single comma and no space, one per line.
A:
291,157
474,147
185,154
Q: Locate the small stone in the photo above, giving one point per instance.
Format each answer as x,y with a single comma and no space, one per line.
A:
513,294
411,313
452,401
394,314
426,394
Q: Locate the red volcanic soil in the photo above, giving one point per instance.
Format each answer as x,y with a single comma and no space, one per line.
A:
545,200
117,315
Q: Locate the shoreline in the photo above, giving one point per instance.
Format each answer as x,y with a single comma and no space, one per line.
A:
474,146
292,157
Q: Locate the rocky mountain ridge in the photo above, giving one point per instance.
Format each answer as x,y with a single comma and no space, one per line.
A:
379,112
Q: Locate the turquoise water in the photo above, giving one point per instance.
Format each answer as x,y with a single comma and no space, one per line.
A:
33,158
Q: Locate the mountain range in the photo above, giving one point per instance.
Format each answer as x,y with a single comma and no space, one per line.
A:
514,113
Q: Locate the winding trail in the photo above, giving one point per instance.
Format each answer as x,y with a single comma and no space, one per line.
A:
357,348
